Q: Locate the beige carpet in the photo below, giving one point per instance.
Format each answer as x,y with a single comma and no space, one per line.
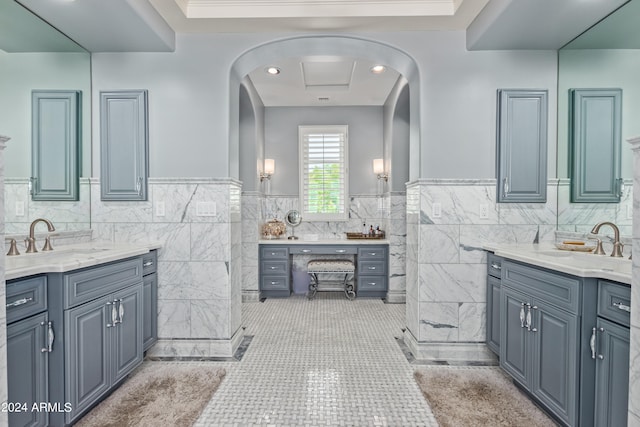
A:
158,394
482,396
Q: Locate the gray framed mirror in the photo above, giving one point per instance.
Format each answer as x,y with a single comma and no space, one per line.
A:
293,219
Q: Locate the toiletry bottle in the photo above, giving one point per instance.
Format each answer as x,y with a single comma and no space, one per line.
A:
364,229
371,230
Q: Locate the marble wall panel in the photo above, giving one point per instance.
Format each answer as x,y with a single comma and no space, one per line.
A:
211,241
210,318
473,237
459,202
472,322
193,280
174,237
439,244
439,321
174,318
453,282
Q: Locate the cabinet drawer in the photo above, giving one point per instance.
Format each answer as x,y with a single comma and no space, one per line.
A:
560,290
372,283
275,267
274,283
149,263
494,265
372,253
26,297
324,250
614,302
274,253
85,285
366,267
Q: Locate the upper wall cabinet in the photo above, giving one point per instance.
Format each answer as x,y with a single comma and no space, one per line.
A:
54,144
595,123
522,146
124,145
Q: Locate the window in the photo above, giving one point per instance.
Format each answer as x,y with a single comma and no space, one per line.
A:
323,172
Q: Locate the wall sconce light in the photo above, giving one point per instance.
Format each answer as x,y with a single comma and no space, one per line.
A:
378,169
269,169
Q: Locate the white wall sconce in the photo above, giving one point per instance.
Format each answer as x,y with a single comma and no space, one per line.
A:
269,169
378,169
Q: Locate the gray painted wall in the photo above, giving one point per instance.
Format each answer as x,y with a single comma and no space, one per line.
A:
251,135
365,143
190,99
397,136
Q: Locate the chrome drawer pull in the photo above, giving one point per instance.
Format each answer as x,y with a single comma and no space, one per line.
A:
621,306
273,254
306,251
592,343
50,337
522,316
371,283
371,268
341,251
372,253
147,264
19,302
274,283
273,268
496,266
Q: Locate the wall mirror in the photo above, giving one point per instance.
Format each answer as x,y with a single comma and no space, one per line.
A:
604,57
293,219
34,56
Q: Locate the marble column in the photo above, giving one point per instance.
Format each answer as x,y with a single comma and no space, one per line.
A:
3,315
634,354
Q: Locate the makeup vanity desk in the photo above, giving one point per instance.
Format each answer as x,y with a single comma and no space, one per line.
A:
371,258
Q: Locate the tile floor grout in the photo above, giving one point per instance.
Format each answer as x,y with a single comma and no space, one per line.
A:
329,361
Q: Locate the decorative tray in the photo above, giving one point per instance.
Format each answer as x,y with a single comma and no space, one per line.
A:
353,236
565,246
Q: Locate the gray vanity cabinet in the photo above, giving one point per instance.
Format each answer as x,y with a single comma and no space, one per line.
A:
522,146
372,271
28,347
539,336
595,130
124,145
494,286
149,300
610,349
274,271
55,145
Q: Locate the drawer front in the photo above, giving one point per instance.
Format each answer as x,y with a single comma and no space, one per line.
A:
372,283
323,250
494,265
274,253
26,297
85,285
614,302
275,268
561,291
274,283
375,252
366,267
149,263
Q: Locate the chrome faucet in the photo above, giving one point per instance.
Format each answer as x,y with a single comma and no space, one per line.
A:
31,240
617,246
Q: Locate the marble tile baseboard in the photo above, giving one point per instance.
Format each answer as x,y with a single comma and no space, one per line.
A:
448,352
196,348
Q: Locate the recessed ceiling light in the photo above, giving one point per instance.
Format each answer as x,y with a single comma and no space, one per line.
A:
378,69
272,70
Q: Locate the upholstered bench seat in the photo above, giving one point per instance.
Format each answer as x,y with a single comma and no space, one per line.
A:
328,266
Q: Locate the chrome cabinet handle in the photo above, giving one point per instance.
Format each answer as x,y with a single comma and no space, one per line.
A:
372,254
592,342
621,306
19,302
522,316
371,268
505,185
530,323
496,266
273,268
620,187
139,186
341,251
371,283
147,264
120,310
110,325
274,283
50,337
306,251
32,185
114,313
528,317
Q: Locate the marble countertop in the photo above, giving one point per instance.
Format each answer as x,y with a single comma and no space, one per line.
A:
324,242
71,257
581,264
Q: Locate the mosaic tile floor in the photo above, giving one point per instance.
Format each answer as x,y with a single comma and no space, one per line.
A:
329,362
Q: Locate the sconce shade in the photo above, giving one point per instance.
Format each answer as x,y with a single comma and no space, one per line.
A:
269,166
378,166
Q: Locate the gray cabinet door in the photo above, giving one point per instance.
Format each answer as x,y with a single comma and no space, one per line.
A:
514,352
493,314
123,145
594,138
127,334
612,374
554,335
150,311
27,370
522,146
55,144
87,346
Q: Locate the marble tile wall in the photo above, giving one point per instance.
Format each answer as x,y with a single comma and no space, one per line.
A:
3,313
66,216
448,221
634,354
199,265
